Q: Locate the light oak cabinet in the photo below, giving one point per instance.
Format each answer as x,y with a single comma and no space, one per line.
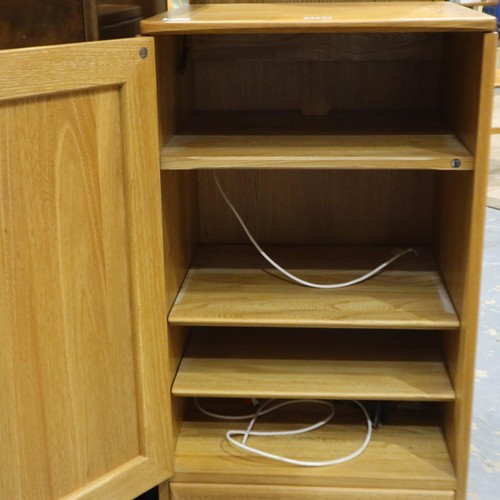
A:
340,131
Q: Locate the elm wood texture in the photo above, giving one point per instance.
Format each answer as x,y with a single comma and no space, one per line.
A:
268,363
402,454
303,207
234,286
187,152
317,73
205,491
321,17
180,237
460,209
179,215
319,47
25,23
83,350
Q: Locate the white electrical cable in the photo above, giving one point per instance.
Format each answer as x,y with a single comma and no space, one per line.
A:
288,274
269,407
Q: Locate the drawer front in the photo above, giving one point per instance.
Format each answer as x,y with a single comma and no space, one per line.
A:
198,491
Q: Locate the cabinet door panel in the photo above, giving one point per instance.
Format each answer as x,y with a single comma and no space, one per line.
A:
83,393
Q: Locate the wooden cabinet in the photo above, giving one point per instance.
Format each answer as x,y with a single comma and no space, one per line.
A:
340,133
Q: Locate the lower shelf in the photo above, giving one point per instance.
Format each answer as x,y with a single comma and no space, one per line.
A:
343,139
232,285
407,452
204,491
301,363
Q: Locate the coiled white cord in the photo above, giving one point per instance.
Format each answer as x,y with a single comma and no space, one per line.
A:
270,406
288,274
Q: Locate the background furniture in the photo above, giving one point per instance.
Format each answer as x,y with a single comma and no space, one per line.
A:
27,23
339,135
120,18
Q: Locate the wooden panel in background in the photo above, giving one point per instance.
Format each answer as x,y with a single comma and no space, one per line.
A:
26,23
174,86
235,286
316,73
318,47
315,87
310,207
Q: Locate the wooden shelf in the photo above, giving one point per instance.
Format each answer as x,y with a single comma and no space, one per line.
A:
234,286
306,18
402,454
342,139
269,363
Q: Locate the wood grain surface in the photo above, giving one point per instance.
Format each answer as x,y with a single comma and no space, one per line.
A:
303,17
268,363
235,286
460,212
83,355
403,453
303,207
186,152
196,491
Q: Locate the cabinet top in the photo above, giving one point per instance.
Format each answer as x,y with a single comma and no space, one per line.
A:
318,17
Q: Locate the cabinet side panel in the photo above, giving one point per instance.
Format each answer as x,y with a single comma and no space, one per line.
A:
174,76
180,236
179,195
460,208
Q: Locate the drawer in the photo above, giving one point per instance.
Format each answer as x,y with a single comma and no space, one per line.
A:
199,491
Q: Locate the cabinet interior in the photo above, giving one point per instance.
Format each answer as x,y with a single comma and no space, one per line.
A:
335,149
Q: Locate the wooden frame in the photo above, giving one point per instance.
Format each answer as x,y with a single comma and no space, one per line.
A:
202,123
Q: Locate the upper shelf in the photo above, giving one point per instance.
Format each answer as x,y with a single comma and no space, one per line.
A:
320,17
343,139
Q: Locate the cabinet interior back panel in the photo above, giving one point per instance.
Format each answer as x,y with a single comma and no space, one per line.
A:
319,207
316,74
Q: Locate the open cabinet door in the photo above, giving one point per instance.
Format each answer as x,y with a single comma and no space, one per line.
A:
83,393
